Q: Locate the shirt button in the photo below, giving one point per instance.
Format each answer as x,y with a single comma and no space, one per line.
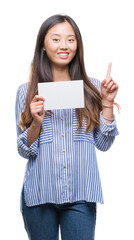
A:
64,166
62,135
61,119
63,150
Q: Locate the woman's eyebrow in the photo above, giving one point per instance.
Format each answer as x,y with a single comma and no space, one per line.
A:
71,35
56,34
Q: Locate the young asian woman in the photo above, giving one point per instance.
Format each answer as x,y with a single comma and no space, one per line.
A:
62,185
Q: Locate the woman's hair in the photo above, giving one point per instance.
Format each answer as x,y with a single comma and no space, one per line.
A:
41,72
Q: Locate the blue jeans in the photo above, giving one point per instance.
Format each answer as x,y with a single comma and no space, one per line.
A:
76,220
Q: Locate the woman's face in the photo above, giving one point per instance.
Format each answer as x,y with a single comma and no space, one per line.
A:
60,44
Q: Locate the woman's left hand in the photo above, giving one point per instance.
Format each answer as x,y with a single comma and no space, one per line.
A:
109,88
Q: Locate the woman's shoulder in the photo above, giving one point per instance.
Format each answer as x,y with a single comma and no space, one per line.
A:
22,89
23,86
96,83
21,95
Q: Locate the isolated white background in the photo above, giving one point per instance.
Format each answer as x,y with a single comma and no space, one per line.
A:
107,30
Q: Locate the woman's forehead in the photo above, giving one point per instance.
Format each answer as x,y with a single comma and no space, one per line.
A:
63,28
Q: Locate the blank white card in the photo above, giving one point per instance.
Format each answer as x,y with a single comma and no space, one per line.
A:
62,95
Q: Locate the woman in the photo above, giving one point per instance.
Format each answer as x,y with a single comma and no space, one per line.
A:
62,184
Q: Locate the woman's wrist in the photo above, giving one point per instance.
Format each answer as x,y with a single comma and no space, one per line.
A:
36,124
33,132
107,111
106,102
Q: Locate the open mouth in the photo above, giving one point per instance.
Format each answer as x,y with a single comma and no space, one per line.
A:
63,55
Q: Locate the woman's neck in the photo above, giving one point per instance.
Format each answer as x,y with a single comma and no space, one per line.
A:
60,74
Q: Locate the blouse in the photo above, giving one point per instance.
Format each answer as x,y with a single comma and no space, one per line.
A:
62,164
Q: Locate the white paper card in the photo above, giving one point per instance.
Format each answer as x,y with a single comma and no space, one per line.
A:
62,95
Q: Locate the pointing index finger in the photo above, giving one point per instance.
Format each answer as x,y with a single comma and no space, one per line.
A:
109,71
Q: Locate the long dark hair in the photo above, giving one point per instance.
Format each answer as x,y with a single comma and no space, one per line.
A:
41,72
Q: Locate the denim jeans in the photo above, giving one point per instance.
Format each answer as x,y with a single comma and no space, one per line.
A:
76,220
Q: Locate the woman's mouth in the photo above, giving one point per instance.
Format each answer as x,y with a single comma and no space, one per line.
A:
63,55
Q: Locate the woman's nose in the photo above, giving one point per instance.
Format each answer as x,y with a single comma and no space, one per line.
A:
63,44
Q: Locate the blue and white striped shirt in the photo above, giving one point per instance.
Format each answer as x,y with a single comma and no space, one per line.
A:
62,165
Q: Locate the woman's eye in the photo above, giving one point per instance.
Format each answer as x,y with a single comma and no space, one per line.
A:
71,40
55,39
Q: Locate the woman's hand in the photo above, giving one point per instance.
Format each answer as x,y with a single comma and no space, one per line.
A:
109,88
37,109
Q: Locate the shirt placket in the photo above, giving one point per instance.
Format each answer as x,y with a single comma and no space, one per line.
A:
64,158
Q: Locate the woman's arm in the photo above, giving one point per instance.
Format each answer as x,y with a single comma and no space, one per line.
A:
33,133
38,113
27,140
105,134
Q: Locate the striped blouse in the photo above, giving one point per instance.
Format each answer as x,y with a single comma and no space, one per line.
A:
62,165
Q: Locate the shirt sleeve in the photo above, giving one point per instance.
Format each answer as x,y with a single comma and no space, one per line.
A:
105,134
23,149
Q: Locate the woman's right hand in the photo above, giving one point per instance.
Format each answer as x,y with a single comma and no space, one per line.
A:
37,109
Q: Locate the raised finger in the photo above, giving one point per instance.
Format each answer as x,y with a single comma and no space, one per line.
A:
109,71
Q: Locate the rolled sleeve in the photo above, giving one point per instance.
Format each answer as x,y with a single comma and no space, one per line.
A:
23,148
108,129
105,134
